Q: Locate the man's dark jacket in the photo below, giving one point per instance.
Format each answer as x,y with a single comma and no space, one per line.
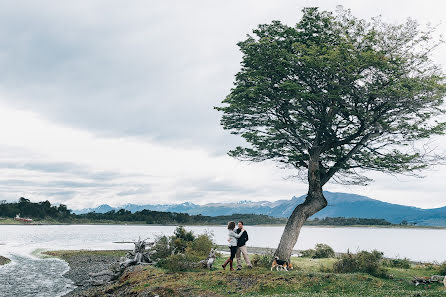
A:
243,239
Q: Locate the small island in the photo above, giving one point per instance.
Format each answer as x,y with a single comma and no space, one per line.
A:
4,260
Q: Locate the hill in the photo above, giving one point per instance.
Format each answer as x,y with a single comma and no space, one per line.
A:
339,205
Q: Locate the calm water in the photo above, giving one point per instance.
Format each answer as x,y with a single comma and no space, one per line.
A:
19,241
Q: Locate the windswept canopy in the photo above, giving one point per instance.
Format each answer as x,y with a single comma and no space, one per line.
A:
360,93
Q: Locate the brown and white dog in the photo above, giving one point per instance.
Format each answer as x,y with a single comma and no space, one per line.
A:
281,264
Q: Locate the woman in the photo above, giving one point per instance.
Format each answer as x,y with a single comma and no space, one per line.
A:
232,244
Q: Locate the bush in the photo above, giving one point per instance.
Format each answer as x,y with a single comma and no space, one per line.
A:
181,233
321,250
263,260
397,263
442,269
307,253
162,248
181,251
179,262
201,246
366,262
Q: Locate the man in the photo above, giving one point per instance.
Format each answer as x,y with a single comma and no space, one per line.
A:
241,243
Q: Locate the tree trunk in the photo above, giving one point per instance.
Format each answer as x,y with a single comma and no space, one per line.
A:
314,202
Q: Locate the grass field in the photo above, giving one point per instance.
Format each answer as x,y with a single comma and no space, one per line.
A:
305,280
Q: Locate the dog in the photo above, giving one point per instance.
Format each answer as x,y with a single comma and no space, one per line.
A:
281,264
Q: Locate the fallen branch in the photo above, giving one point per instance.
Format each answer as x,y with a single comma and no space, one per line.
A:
138,256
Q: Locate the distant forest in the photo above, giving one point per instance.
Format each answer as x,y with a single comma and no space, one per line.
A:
44,211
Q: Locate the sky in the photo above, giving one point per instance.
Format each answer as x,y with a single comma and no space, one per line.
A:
112,102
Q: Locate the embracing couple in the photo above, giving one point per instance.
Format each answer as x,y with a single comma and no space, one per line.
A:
237,245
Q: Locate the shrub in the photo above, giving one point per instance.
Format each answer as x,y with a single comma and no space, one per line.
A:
181,251
161,248
178,262
181,233
397,263
366,262
263,260
307,253
201,245
442,269
321,250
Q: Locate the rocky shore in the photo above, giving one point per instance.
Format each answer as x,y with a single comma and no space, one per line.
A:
82,263
309,278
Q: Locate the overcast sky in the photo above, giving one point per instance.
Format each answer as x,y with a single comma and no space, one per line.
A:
112,102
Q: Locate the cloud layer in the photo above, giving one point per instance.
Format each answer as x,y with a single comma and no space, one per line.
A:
102,102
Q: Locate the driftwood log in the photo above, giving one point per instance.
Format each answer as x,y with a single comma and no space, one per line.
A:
209,261
139,255
429,280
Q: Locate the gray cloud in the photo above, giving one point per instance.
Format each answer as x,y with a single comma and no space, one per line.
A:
156,74
135,191
151,70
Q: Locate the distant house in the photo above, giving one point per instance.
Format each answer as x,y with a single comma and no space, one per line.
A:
26,220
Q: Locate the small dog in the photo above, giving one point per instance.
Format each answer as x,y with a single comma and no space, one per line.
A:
281,264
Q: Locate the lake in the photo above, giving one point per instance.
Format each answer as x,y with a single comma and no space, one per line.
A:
29,276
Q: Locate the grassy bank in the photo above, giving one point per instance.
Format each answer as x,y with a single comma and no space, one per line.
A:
308,279
4,260
68,254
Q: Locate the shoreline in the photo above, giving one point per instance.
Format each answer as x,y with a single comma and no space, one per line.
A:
153,281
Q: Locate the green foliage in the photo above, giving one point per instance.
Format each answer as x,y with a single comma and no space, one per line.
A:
182,234
397,263
162,248
181,251
40,210
323,251
356,93
320,251
442,269
158,217
307,253
263,260
366,262
201,245
44,210
179,262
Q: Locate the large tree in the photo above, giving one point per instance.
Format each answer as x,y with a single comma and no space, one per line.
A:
335,96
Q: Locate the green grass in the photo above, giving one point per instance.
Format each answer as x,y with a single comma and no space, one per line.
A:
305,280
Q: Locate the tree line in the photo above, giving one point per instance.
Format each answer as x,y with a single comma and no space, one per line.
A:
45,211
40,210
341,221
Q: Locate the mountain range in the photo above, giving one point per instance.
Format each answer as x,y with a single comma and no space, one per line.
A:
339,205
